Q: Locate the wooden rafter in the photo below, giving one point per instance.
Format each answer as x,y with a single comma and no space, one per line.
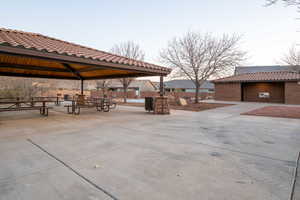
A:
74,71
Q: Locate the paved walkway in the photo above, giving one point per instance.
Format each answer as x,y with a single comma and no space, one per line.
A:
129,154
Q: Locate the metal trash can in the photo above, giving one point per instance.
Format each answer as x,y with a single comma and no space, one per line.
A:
149,101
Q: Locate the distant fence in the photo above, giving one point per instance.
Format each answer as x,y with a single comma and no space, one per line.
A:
191,95
98,93
132,94
148,94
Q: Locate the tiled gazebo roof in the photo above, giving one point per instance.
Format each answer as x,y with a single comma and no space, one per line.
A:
38,46
261,76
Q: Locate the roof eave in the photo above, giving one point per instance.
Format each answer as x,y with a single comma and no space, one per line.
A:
18,51
258,81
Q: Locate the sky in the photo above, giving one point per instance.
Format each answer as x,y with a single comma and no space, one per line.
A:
267,32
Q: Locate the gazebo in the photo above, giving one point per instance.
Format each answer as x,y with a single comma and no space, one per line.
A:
25,54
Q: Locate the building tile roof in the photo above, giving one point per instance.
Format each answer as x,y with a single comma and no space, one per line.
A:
274,68
187,84
133,84
39,42
262,76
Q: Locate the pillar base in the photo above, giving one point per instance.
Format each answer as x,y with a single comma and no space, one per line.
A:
161,105
80,99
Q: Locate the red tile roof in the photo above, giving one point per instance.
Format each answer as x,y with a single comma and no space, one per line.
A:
39,42
262,76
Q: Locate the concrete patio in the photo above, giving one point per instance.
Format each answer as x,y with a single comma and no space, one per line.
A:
129,154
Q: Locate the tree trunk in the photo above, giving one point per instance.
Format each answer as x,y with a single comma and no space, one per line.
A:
103,92
125,94
197,93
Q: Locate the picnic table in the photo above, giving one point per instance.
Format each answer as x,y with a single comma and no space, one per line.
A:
57,100
101,104
23,105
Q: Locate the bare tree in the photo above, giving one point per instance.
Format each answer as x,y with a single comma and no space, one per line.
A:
292,58
103,85
286,2
130,50
198,57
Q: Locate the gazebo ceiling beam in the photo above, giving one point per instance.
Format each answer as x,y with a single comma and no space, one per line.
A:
32,67
116,76
37,76
74,71
91,69
29,75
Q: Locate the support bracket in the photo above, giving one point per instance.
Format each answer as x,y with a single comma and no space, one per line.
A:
74,71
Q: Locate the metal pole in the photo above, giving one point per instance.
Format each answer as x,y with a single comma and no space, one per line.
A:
81,86
161,86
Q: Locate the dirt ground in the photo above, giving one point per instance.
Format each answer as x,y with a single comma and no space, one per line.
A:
190,107
276,111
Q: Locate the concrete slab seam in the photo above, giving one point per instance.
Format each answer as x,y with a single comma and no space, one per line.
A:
73,170
295,178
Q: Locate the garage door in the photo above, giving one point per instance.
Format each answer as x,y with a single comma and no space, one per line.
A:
263,92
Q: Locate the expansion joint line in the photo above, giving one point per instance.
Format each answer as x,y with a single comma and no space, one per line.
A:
73,170
295,178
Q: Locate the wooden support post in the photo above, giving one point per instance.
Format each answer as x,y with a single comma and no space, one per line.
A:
81,87
161,86
18,104
44,107
57,100
32,103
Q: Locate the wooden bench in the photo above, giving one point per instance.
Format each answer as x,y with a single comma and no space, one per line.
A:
43,110
71,109
55,100
23,105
